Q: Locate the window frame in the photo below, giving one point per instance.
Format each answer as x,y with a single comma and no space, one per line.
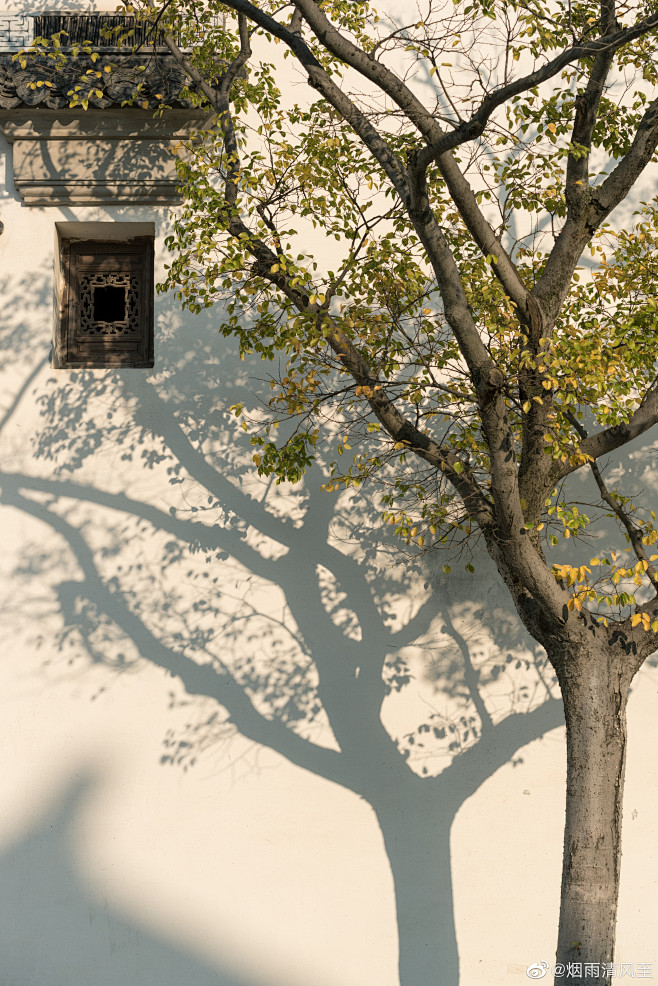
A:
77,257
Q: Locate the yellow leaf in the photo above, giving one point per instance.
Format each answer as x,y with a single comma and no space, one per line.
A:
635,619
595,561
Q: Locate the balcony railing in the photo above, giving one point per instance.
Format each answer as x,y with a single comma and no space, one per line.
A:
92,28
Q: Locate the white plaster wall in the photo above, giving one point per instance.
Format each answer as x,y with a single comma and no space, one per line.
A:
243,869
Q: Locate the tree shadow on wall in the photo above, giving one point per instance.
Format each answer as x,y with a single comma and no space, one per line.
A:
289,613
52,919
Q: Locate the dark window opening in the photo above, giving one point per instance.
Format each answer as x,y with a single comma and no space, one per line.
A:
109,304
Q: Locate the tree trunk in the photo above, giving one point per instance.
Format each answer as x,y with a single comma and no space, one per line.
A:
595,695
416,832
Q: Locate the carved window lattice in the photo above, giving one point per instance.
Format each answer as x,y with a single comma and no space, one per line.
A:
105,304
89,327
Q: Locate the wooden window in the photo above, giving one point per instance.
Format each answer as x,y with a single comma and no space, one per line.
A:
106,304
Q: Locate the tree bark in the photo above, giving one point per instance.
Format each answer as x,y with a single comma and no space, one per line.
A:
595,693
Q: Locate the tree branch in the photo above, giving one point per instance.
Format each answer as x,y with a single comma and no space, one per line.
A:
553,284
603,46
633,531
459,188
610,439
587,105
456,308
620,181
318,79
487,378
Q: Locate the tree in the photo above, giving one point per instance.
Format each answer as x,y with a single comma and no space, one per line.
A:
462,164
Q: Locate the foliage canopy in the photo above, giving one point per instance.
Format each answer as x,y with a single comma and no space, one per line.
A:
459,171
